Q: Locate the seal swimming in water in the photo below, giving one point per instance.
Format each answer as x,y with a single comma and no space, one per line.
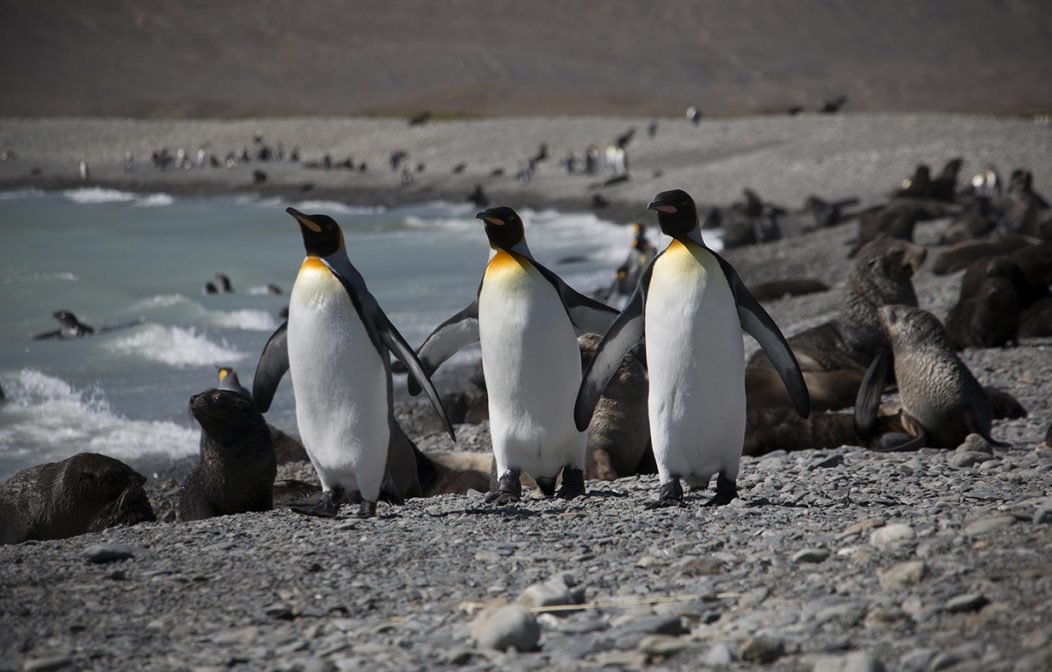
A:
942,402
238,466
70,327
84,493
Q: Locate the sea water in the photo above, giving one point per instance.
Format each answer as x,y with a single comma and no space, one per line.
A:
114,258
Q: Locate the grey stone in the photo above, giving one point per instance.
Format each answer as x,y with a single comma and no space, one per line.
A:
661,646
973,443
556,591
895,535
509,626
103,553
810,555
966,602
857,661
719,653
985,525
762,649
1043,513
916,660
829,462
47,664
968,458
901,575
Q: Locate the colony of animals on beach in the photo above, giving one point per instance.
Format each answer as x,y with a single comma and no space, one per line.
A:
645,374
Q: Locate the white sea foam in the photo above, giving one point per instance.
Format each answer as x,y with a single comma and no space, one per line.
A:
56,420
160,301
16,194
246,319
335,207
154,201
94,195
175,346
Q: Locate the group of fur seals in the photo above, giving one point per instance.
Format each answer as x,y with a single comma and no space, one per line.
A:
84,493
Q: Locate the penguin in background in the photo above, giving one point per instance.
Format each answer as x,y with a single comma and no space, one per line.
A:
337,344
526,320
228,381
691,307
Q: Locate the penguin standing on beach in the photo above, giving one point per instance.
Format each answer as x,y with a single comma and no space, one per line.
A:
336,343
525,318
691,307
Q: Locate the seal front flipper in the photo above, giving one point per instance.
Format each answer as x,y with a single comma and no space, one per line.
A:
459,331
759,325
867,401
273,363
587,315
623,335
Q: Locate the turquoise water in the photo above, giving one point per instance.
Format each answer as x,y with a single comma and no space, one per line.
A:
113,258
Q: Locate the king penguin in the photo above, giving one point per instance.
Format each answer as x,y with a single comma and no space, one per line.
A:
228,381
691,307
337,344
525,318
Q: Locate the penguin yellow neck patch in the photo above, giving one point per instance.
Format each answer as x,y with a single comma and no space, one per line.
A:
313,264
503,262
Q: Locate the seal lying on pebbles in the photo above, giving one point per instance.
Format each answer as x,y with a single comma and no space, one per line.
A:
882,273
237,468
987,315
84,493
941,399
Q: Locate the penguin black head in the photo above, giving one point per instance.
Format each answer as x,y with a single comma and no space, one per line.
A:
321,234
677,214
503,227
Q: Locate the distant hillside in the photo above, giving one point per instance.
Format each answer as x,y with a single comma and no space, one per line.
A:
233,58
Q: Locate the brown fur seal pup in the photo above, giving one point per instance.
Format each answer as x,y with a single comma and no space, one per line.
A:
84,493
619,436
916,186
237,468
777,289
881,274
896,220
942,401
1036,321
962,255
944,186
988,311
829,390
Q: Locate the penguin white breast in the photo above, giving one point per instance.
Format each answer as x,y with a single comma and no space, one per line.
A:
339,381
696,362
532,366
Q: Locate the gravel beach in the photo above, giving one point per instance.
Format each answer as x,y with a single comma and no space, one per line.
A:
841,559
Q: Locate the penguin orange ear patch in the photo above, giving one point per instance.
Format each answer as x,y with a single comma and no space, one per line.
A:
494,221
667,209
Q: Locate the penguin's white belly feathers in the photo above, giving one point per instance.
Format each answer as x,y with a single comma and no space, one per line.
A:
532,367
339,382
696,363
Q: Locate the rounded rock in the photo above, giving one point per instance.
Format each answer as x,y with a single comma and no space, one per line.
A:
509,626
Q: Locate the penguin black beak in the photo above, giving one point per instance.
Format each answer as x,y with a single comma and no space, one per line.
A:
489,219
661,206
303,220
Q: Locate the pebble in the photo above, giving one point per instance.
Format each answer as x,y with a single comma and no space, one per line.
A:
762,649
966,602
103,553
893,536
48,664
506,626
973,443
916,660
985,525
1043,513
858,661
719,654
969,458
810,555
556,591
661,646
901,575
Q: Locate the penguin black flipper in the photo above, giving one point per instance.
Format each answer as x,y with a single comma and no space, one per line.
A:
459,331
586,314
384,334
623,335
867,401
273,363
758,324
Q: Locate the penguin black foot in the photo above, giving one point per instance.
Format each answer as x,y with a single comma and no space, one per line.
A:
670,494
547,485
509,489
573,483
726,491
366,509
326,507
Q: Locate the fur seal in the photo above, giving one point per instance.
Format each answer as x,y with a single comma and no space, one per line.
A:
988,311
84,493
895,220
238,466
881,273
942,402
1036,321
962,255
